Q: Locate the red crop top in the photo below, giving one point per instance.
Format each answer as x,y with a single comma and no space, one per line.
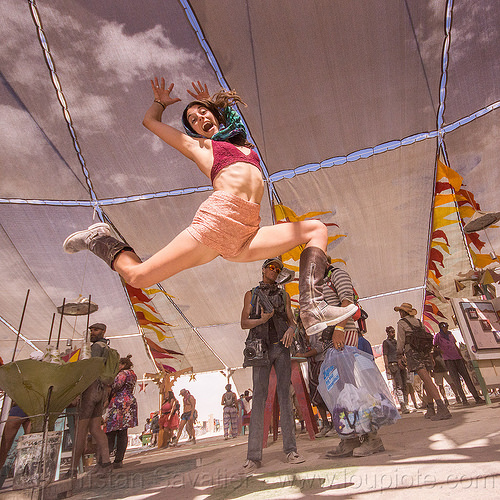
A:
226,153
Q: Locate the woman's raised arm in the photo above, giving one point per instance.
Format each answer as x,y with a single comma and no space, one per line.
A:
152,120
200,91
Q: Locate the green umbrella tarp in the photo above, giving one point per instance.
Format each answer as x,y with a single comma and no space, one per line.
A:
27,382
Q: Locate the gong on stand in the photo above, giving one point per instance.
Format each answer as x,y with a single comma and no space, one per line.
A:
82,306
79,307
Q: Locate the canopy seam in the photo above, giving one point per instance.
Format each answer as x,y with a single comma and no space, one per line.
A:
282,174
62,101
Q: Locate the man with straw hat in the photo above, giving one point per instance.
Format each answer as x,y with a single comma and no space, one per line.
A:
413,345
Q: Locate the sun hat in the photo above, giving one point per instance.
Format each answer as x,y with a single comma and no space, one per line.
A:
407,308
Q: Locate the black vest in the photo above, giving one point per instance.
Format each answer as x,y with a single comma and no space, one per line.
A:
279,319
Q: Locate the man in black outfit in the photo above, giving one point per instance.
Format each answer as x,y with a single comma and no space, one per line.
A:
267,313
392,368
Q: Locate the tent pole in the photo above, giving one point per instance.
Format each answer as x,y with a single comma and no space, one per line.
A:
20,324
88,321
60,323
51,327
43,457
75,436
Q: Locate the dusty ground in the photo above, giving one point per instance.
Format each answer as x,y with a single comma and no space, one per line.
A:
457,458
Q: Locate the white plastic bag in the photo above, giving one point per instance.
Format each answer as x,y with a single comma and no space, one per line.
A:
355,392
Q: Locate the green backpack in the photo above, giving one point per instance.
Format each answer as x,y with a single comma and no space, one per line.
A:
111,365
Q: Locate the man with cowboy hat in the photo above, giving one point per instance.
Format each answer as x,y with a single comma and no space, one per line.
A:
418,360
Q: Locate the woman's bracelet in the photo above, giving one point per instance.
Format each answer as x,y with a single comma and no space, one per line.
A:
160,103
340,328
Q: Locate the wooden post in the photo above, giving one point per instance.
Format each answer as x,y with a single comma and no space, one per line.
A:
303,399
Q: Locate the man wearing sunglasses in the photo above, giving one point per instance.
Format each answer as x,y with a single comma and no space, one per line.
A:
267,313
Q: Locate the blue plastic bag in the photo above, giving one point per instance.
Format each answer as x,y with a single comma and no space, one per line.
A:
355,392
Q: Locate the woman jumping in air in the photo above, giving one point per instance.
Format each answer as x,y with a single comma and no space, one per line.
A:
227,223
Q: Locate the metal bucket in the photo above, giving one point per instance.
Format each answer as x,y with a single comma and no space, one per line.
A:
36,461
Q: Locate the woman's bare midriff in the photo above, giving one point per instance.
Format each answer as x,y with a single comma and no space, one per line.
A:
241,179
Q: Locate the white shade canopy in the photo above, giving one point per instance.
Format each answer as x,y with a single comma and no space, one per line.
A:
347,103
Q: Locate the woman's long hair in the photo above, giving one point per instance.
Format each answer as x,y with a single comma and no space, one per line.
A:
231,128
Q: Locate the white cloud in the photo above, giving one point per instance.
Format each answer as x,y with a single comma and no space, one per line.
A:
113,61
127,57
473,29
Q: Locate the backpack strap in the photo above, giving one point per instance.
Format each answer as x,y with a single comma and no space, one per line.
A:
407,322
104,343
407,340
329,271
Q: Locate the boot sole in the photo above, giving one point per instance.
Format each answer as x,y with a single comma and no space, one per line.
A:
330,434
340,455
378,450
319,327
250,470
99,225
352,309
321,434
436,418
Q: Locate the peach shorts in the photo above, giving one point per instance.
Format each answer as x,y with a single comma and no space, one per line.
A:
225,223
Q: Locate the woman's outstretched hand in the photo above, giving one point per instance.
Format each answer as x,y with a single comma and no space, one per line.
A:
162,94
200,91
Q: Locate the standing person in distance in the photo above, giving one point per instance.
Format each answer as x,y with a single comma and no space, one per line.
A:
187,417
455,364
121,414
393,369
230,412
418,361
169,419
91,410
